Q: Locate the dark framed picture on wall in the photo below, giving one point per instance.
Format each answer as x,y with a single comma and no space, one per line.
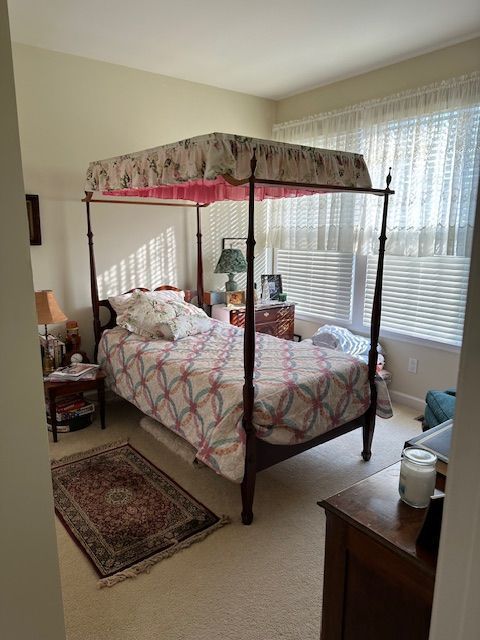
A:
33,215
235,243
274,285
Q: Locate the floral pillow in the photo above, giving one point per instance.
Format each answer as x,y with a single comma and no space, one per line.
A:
122,302
186,325
153,318
182,308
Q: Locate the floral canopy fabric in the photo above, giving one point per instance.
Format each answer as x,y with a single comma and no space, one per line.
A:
197,169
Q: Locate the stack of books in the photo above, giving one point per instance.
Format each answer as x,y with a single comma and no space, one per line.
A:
74,372
72,413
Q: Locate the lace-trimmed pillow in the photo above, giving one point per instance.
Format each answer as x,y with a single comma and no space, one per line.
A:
182,308
186,325
122,302
153,318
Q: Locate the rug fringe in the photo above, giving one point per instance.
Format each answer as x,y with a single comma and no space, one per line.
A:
73,457
148,563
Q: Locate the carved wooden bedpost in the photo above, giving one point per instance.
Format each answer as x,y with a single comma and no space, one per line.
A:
248,484
93,277
369,426
199,260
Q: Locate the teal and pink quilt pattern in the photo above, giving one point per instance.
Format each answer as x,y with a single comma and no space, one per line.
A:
193,386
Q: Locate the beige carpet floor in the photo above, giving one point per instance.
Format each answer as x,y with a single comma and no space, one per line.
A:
262,582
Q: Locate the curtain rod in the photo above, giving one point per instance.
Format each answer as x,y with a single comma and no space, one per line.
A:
449,83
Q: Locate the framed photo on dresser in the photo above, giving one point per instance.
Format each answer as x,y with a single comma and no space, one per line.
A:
274,285
235,298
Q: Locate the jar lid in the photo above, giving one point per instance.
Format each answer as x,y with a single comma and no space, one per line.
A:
419,456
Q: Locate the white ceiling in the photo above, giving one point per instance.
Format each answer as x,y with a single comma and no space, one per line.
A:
269,48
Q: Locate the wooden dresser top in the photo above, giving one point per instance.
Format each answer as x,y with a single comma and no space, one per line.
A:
373,506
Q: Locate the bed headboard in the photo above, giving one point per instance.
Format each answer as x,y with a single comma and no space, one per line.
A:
98,327
112,318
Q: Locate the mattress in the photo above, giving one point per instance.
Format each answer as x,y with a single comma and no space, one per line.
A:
194,385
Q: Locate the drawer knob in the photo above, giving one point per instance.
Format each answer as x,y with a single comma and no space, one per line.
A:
266,314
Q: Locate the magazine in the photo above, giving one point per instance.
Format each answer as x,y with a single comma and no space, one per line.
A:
76,371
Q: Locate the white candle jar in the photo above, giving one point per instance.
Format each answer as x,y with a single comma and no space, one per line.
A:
417,477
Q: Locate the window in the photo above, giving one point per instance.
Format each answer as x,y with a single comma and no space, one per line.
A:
319,282
431,139
422,297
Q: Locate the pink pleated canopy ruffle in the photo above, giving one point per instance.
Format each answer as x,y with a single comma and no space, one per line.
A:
194,170
211,191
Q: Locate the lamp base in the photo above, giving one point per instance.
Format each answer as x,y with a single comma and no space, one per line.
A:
47,365
231,284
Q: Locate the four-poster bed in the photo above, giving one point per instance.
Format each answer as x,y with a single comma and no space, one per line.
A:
220,167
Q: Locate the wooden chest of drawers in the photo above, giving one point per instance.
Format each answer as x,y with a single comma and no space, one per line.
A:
378,581
276,319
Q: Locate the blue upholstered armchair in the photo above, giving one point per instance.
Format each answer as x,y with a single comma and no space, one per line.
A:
440,406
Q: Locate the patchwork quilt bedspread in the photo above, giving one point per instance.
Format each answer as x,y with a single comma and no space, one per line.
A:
193,386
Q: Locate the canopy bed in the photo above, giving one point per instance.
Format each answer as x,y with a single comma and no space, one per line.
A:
270,413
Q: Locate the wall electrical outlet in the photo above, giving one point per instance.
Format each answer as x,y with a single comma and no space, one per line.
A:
412,365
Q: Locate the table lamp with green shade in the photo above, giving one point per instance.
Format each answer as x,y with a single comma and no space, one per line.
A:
48,312
231,261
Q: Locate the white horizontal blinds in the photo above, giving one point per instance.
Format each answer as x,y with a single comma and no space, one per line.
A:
423,297
320,283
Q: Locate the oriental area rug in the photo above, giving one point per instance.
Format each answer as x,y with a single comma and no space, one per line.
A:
125,513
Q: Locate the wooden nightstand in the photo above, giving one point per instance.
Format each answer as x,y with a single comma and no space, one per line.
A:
54,390
274,318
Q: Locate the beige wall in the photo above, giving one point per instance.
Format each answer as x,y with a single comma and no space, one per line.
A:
437,368
30,600
456,613
73,110
415,72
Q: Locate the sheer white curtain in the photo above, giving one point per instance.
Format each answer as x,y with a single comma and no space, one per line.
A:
430,138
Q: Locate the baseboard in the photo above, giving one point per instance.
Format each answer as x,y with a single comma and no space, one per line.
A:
409,401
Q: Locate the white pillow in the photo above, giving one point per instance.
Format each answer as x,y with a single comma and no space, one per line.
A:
121,303
341,339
